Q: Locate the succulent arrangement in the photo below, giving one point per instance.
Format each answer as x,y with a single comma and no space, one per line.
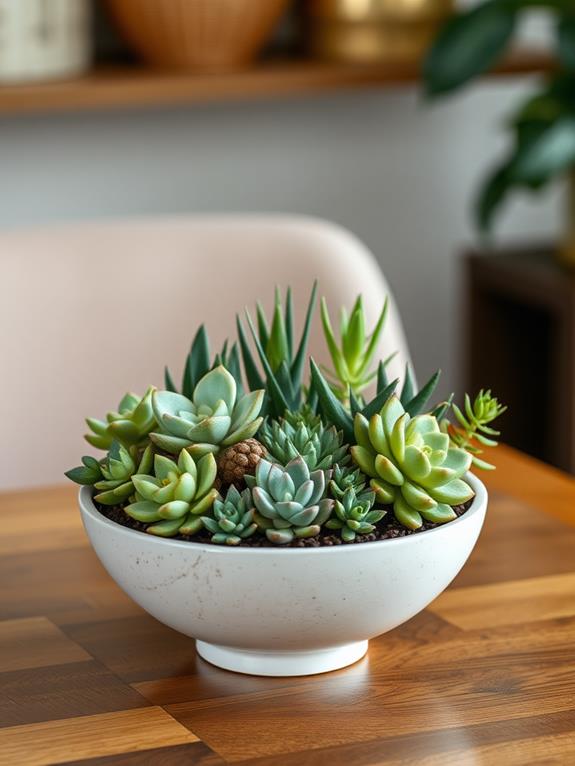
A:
251,451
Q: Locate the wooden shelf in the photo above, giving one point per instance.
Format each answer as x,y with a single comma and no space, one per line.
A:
133,87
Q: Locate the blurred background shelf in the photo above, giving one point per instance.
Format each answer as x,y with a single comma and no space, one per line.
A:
521,341
138,86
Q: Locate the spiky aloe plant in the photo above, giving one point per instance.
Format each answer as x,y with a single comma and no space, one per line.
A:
412,464
215,417
290,501
283,364
353,515
353,355
174,500
130,424
342,417
473,430
198,364
320,446
118,468
233,519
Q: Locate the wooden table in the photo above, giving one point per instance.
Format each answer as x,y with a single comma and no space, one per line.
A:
485,676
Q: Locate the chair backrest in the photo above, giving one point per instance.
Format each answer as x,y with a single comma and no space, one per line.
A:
90,311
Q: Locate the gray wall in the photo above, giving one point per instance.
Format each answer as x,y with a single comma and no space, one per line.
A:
398,173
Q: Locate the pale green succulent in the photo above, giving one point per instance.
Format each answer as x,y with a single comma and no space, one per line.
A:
320,446
352,356
353,516
412,464
215,417
117,470
174,500
130,425
233,519
290,501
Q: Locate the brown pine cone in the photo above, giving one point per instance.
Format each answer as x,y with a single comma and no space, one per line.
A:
239,459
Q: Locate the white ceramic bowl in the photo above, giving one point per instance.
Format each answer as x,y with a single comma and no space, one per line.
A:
284,612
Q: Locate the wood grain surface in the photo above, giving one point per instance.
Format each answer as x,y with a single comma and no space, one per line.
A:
484,676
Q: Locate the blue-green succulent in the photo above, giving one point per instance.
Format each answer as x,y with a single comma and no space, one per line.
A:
213,418
233,518
353,515
319,445
290,501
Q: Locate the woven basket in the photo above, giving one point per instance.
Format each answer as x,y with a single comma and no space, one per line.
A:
201,35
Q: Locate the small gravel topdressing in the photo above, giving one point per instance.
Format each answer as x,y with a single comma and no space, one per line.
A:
387,529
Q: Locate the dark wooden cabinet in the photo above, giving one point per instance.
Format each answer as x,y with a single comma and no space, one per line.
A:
520,341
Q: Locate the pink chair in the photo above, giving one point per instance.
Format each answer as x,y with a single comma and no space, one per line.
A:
90,311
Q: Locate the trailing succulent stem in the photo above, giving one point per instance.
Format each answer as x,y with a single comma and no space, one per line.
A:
473,432
174,499
353,515
412,465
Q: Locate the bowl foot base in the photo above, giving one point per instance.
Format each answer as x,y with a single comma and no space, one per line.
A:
296,663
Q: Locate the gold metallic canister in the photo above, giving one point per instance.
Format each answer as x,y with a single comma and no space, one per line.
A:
369,31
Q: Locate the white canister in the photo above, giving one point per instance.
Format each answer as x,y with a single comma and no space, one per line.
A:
44,39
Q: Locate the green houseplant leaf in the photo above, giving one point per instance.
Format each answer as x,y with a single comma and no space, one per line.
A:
469,44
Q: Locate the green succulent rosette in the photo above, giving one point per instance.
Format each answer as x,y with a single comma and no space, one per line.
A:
233,519
320,446
118,468
353,516
174,500
215,417
412,465
130,424
344,477
289,501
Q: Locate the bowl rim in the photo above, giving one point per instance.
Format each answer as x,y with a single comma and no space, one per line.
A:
88,508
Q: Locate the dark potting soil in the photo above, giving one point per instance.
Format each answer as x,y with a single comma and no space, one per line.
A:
387,529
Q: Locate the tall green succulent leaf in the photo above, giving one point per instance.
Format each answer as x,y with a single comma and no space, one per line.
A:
255,380
469,44
198,362
298,363
333,410
273,388
415,405
352,355
277,347
289,322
